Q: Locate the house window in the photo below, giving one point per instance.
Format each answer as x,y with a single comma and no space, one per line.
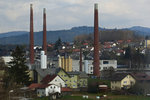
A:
54,87
91,68
65,75
105,62
66,85
125,82
55,80
51,87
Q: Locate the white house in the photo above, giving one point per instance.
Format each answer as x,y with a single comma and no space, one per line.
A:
52,89
50,84
48,89
53,79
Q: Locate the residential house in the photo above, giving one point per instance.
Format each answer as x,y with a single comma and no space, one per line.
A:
78,79
38,74
47,89
65,76
122,81
141,77
53,79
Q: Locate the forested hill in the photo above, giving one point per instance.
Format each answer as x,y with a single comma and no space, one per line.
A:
65,35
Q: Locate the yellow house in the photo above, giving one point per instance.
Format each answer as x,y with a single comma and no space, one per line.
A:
78,79
122,81
62,73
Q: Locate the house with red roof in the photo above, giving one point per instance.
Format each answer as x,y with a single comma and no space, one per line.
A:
53,79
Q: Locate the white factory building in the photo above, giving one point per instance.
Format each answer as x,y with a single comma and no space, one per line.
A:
87,65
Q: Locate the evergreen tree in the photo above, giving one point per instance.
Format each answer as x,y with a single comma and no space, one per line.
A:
18,70
58,43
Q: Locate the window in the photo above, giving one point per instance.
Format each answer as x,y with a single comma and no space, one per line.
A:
91,68
125,82
55,80
66,85
105,62
54,87
105,68
65,75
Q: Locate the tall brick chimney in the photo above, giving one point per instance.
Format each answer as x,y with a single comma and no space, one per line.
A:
44,31
80,59
31,36
96,68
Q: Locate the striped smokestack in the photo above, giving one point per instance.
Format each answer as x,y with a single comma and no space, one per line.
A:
96,71
81,59
44,31
31,36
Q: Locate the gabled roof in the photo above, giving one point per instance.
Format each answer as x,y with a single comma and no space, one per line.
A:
43,86
141,76
34,86
119,76
51,71
80,74
48,78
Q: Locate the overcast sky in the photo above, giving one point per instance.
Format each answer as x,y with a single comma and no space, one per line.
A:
64,14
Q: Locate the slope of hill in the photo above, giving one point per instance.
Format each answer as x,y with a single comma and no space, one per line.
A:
22,37
52,36
144,31
14,33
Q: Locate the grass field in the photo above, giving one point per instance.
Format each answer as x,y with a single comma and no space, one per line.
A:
93,97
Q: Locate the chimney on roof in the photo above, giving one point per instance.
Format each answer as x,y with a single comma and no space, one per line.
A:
44,32
31,36
96,68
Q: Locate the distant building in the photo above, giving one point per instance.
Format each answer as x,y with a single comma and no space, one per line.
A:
88,65
65,62
7,59
147,43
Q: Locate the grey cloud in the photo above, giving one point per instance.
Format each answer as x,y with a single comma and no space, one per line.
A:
63,14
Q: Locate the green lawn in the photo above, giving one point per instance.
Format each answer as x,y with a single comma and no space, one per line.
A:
119,97
92,97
